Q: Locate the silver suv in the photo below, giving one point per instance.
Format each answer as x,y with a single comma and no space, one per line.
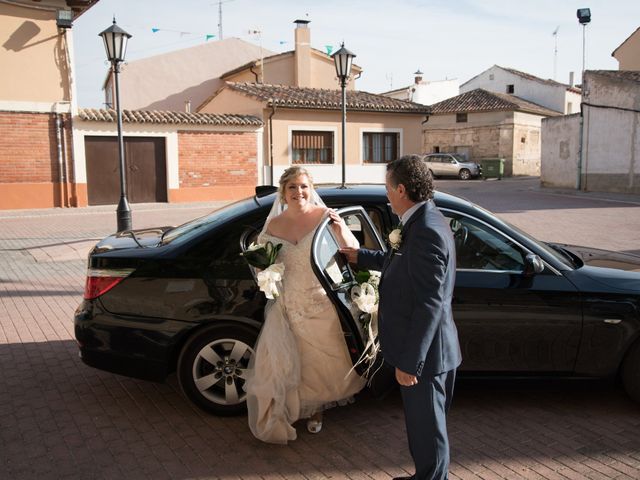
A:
451,164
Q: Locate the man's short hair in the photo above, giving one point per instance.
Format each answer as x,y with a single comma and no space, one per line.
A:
412,172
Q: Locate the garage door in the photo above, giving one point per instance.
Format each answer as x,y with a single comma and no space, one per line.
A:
145,165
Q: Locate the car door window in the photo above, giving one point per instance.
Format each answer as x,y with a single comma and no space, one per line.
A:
480,247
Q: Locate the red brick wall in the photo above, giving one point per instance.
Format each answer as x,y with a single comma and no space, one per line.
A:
217,159
28,149
29,171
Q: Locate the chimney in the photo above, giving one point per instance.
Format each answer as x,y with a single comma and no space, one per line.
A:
187,106
571,79
302,55
418,77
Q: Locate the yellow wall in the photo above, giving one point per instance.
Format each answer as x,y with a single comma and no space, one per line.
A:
281,71
285,120
628,54
33,56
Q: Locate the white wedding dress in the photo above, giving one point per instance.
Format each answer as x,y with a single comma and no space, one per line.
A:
301,364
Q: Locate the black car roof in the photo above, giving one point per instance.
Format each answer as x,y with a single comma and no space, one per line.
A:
365,193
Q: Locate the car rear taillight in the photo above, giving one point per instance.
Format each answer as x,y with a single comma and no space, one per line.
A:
100,281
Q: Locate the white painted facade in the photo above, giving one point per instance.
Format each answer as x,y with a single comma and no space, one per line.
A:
610,159
553,95
427,92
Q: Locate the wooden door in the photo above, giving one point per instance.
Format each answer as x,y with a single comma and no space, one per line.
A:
145,165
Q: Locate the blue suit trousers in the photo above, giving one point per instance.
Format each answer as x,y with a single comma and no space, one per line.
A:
425,407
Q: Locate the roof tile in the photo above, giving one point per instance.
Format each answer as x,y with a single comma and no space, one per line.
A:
324,99
170,117
480,100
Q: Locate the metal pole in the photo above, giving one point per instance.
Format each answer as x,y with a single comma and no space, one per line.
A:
123,212
584,33
343,84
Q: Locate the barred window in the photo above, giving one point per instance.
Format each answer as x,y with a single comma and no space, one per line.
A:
380,147
312,147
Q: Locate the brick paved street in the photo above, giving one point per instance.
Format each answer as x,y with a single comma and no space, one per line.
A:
60,419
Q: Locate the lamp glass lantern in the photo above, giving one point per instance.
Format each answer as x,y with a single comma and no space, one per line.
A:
584,15
115,42
343,59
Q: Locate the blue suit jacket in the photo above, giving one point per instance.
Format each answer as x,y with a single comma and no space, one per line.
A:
415,322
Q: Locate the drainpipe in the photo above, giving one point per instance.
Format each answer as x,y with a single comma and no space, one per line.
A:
61,166
273,112
255,74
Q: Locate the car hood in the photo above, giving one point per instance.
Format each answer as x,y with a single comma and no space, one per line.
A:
595,257
142,238
613,271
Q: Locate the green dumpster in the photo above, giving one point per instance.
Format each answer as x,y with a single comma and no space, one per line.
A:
492,168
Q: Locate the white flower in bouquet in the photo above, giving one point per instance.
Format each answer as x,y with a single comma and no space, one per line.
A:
395,238
268,279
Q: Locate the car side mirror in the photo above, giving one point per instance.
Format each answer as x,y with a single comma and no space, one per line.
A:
532,265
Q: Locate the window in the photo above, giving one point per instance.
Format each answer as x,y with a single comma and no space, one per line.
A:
511,89
312,147
380,147
461,117
436,149
491,76
479,247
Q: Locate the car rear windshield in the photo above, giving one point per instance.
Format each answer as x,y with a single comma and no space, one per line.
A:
187,230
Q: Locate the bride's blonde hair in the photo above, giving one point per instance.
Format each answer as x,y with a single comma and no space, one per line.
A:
289,174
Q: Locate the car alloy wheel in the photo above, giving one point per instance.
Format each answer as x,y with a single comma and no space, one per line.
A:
464,174
213,368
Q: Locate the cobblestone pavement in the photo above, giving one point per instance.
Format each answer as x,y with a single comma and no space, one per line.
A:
60,419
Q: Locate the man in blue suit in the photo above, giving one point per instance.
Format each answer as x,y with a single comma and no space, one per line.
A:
416,330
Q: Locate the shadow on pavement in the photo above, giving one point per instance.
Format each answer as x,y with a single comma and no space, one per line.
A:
62,419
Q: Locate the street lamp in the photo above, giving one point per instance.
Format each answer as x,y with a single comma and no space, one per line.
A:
115,43
343,59
584,17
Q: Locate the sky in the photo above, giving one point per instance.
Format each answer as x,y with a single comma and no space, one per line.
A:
445,39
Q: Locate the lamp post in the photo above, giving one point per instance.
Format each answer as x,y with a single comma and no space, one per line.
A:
343,59
584,17
115,43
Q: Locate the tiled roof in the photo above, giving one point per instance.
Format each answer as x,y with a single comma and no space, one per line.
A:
158,116
324,99
631,75
480,100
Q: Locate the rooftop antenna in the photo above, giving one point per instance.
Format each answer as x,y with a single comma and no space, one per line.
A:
220,2
555,53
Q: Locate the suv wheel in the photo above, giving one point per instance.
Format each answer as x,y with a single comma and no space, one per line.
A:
464,174
213,367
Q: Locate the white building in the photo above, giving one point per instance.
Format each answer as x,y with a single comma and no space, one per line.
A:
426,92
563,98
609,158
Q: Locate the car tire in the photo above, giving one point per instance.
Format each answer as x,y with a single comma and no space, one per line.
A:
630,372
213,365
464,174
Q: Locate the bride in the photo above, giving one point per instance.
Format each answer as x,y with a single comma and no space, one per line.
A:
301,364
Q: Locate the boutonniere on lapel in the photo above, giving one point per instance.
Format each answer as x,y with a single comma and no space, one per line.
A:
395,237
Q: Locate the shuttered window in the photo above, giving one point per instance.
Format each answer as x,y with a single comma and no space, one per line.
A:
312,147
380,147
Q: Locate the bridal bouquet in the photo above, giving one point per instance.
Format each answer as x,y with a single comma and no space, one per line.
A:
365,296
263,257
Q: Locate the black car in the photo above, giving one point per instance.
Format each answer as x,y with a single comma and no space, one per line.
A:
183,300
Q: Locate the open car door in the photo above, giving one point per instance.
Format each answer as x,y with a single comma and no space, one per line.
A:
338,279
